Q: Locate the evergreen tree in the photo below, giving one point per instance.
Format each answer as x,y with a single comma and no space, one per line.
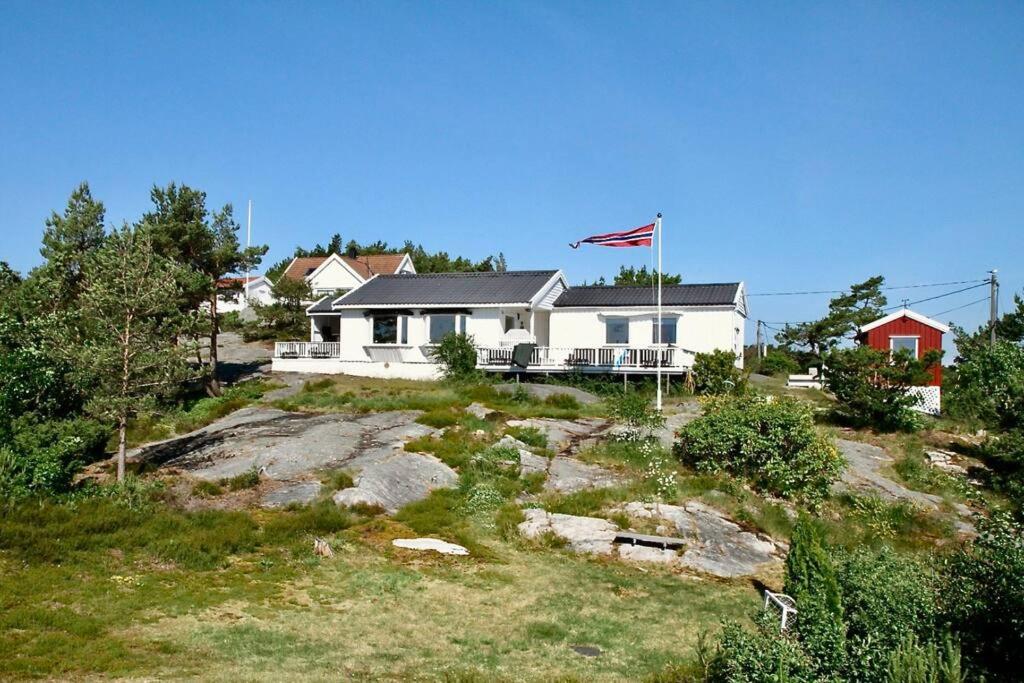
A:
131,305
863,303
67,241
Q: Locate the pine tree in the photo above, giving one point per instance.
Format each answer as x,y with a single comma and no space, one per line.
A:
131,304
68,240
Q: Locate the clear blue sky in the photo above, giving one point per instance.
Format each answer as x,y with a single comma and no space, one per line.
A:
804,146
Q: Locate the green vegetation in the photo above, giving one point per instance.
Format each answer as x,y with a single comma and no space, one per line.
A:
773,444
716,374
871,386
456,354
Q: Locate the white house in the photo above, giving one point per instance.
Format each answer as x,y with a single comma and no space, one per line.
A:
243,293
336,273
388,326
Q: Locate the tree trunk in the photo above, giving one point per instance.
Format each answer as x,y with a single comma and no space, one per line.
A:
122,434
212,385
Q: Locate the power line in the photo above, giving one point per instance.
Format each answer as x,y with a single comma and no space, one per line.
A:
844,291
950,310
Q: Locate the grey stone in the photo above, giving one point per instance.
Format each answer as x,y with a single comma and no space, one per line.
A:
395,481
478,410
568,475
301,492
529,462
715,544
686,412
863,475
562,434
582,534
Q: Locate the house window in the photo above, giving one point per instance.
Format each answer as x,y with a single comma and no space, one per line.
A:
908,344
442,325
668,330
616,331
510,322
385,329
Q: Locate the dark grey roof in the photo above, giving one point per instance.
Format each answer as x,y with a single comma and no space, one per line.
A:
321,306
720,294
448,289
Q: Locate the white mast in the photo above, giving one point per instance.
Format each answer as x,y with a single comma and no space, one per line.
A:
658,351
248,242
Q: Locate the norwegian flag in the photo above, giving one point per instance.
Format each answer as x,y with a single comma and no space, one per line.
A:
637,237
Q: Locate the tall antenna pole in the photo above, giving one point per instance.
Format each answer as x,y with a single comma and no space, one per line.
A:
248,243
657,228
993,307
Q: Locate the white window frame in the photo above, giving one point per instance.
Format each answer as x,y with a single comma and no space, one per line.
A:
664,319
917,343
401,330
616,318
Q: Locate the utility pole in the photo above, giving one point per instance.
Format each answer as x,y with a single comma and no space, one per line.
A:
759,356
993,308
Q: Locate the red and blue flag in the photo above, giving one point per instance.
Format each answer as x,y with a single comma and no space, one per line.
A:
637,237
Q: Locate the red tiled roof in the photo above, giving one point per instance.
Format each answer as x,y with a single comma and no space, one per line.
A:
231,282
365,266
303,266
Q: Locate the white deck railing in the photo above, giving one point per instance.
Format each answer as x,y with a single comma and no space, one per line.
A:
307,350
600,357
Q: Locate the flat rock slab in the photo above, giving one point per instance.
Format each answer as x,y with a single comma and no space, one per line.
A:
283,446
542,391
569,475
562,434
715,544
397,480
301,492
436,545
863,475
529,462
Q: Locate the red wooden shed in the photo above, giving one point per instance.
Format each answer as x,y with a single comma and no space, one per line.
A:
907,330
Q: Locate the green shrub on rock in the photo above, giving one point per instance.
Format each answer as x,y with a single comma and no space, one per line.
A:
456,355
772,443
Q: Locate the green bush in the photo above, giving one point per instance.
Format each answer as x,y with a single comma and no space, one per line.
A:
772,443
634,411
531,436
246,480
715,374
871,386
988,384
760,656
456,354
982,598
778,362
44,457
914,662
205,489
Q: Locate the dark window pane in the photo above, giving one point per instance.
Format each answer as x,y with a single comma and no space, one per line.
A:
668,330
616,331
440,325
385,329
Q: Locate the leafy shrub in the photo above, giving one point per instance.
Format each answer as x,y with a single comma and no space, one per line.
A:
339,480
988,384
456,354
762,655
439,417
1004,456
44,457
871,386
635,412
563,401
885,597
982,598
778,362
914,661
772,443
716,373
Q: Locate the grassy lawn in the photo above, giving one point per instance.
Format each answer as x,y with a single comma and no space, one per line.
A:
95,589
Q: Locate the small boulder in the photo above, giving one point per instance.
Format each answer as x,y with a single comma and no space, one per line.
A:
434,544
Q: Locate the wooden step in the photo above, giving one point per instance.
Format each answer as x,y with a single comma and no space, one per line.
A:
665,542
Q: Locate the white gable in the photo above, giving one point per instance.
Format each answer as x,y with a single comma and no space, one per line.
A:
332,275
924,320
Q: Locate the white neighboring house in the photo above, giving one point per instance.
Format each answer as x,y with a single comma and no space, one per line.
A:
257,289
336,273
388,326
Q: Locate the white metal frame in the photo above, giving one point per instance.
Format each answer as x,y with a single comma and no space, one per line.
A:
785,604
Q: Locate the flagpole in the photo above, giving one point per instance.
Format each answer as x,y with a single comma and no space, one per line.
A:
657,352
